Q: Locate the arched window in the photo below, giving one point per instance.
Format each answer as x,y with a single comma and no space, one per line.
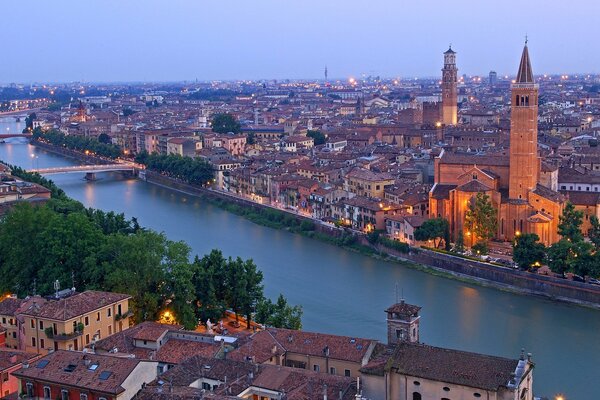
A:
527,101
416,396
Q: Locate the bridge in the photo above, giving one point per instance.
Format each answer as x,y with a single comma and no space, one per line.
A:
90,170
12,135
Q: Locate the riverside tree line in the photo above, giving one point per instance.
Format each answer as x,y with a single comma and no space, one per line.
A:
92,249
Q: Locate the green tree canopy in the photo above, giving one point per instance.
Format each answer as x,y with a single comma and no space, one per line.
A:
570,222
435,229
528,251
279,314
225,123
481,217
318,137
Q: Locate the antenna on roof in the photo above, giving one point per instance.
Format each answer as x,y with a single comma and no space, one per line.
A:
56,287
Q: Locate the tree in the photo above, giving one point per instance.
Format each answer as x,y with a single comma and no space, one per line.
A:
561,256
225,123
459,246
481,217
481,248
254,290
280,314
569,226
29,121
594,232
318,136
250,138
104,138
435,229
528,251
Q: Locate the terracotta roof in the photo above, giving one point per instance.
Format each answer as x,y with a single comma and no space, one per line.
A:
583,198
123,340
176,351
8,306
260,347
453,366
308,343
150,332
548,194
404,309
473,186
10,358
525,74
474,159
75,305
441,191
56,370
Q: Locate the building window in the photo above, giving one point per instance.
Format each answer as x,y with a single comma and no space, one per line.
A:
416,396
109,312
332,370
42,344
87,338
33,324
477,395
98,316
446,389
346,372
29,387
417,383
33,341
41,325
64,394
47,393
87,321
83,396
316,368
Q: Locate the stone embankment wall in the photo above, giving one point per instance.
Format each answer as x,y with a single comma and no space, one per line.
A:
554,288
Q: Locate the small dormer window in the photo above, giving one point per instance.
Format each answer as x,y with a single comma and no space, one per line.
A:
474,177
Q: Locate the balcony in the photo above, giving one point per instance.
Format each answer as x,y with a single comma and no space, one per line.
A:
67,336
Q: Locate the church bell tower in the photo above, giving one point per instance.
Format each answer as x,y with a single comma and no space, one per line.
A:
449,89
403,323
524,160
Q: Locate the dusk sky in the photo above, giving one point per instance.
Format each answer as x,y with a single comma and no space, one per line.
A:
151,40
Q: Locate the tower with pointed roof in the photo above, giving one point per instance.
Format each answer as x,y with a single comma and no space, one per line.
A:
524,160
449,88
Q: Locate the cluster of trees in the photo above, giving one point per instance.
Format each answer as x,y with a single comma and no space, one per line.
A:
79,143
92,249
570,254
191,170
435,229
317,136
225,123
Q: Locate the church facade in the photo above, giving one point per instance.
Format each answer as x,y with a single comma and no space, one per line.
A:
512,181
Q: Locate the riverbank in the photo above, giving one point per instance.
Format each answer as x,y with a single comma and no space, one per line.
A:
445,265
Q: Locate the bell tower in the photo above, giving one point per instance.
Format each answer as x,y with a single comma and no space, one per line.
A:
524,160
449,89
403,323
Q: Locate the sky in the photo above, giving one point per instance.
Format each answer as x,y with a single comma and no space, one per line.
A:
176,40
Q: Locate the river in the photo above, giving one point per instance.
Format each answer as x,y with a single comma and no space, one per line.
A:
346,293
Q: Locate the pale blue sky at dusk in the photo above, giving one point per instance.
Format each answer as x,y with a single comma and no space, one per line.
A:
131,40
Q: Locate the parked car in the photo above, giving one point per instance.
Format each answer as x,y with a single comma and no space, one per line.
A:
594,281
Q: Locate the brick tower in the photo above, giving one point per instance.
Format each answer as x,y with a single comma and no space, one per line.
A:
403,323
449,89
524,160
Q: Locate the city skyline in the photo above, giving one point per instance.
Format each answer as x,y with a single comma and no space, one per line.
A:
114,42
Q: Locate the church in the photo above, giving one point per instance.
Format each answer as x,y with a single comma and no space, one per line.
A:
512,182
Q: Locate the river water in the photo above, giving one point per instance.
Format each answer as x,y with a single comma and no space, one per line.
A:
346,293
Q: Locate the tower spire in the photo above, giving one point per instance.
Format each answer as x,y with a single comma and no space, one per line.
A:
525,74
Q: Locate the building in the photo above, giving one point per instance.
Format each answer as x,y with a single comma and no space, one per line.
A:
449,89
70,320
513,182
11,361
185,147
364,182
406,369
493,78
74,375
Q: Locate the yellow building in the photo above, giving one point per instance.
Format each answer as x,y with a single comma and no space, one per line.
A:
72,321
364,182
